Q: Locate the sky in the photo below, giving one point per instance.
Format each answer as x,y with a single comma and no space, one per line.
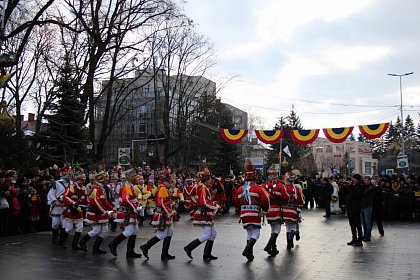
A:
326,59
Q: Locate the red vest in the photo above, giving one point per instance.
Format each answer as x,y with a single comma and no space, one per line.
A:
252,205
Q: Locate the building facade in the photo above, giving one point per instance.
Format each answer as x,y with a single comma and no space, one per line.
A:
343,158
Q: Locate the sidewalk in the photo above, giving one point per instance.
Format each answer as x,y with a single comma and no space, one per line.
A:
321,253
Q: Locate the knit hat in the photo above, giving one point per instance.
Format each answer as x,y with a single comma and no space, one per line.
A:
358,177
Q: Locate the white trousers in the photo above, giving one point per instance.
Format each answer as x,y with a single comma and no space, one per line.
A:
275,228
209,233
57,221
69,225
99,230
290,227
165,233
131,229
253,233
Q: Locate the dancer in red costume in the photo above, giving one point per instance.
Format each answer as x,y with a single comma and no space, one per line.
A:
254,202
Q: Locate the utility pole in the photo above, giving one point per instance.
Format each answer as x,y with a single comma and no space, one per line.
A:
281,146
401,108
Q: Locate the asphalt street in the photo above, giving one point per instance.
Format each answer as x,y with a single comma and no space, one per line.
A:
321,253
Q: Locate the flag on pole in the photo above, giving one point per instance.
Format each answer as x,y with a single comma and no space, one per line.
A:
287,151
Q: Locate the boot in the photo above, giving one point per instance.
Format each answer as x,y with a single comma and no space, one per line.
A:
83,242
165,248
54,236
207,251
149,244
248,251
358,243
97,246
297,235
63,238
290,237
289,241
75,243
130,248
271,247
114,243
352,242
190,247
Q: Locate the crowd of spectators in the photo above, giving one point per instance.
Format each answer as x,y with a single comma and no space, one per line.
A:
24,208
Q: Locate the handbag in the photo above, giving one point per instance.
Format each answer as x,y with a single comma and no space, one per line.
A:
4,204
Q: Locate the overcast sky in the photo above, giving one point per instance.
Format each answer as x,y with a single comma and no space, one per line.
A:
327,58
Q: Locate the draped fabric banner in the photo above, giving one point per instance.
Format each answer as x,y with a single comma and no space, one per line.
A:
304,136
233,136
372,131
338,135
269,136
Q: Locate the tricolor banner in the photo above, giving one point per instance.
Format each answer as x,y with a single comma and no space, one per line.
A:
269,136
372,131
233,136
337,135
304,136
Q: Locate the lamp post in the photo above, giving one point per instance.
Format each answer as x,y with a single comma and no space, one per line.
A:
401,108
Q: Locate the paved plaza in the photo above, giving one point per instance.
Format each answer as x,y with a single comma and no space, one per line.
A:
321,253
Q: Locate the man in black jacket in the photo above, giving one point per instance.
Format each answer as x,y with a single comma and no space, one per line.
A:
353,207
326,191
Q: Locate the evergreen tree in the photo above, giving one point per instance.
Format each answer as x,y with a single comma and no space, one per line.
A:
362,138
65,139
206,142
390,136
291,122
351,137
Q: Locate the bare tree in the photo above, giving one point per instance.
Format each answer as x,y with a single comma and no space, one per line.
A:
184,57
112,34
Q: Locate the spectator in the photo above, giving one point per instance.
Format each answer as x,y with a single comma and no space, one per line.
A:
326,192
366,208
353,208
377,205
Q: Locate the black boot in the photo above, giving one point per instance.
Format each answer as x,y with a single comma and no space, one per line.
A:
97,246
271,247
248,251
289,241
114,243
75,243
290,236
130,248
63,238
83,242
358,242
149,244
54,236
352,242
190,247
297,235
207,251
165,248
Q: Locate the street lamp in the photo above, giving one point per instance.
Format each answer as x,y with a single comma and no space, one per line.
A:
401,107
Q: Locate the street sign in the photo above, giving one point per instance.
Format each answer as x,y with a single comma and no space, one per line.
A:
402,161
124,156
389,171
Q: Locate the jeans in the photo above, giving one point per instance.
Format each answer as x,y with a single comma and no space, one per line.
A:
366,216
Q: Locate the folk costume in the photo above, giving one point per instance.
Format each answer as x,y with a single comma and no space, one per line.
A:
254,203
74,197
204,217
163,218
57,206
291,209
127,215
190,197
276,195
97,215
